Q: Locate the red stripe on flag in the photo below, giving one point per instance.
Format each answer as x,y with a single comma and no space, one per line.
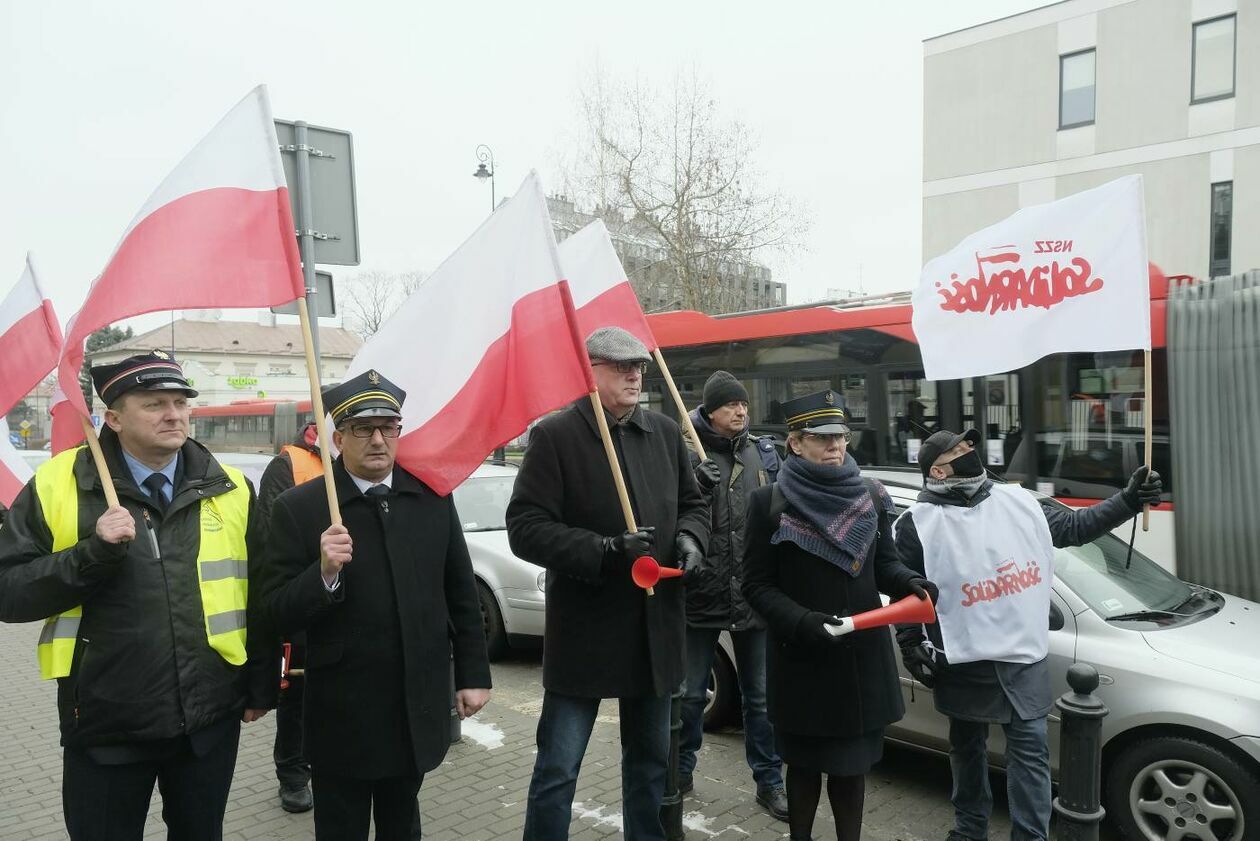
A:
616,306
525,373
10,485
29,352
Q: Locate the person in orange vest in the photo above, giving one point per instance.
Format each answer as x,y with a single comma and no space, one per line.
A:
297,462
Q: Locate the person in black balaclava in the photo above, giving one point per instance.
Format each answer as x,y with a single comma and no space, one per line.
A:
989,547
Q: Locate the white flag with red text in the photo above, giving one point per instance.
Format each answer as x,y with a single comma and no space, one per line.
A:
30,341
486,344
218,232
1068,276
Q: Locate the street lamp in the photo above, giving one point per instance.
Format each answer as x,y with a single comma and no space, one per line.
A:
483,172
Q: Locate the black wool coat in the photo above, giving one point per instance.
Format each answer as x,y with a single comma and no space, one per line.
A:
834,689
378,658
606,638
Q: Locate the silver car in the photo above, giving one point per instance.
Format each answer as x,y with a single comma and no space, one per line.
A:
512,591
1180,674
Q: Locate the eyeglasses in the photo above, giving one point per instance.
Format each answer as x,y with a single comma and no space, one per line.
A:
367,430
625,367
828,438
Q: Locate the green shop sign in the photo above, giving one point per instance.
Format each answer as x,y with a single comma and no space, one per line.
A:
242,382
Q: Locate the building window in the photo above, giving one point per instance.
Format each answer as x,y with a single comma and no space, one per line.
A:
1076,89
1212,62
1222,228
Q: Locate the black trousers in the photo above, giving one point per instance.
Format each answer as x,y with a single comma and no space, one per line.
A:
111,802
292,769
343,806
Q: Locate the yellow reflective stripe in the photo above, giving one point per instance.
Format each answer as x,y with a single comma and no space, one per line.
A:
59,503
226,568
223,566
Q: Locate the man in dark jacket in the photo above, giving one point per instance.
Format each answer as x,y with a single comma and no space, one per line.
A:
735,466
152,624
384,598
605,637
989,547
298,462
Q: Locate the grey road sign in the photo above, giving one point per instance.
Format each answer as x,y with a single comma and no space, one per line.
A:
334,216
324,299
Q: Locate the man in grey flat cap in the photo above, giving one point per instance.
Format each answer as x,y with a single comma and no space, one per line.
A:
605,638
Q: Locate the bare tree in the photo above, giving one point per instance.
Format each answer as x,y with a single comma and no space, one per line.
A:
373,296
683,177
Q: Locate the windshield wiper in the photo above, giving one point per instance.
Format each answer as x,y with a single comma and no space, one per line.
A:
1147,614
485,528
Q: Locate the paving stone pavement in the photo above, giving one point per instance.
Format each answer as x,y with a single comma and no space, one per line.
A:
479,792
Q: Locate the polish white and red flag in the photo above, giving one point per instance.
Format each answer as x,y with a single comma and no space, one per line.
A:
217,233
485,345
30,342
602,295
1071,275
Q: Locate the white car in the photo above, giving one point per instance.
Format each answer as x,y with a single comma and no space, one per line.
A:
1180,675
512,591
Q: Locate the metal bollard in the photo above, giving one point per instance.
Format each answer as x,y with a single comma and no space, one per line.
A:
1080,756
672,802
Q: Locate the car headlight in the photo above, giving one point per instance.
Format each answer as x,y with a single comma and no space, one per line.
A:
542,581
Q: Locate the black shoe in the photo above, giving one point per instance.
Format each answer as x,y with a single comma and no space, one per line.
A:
774,800
296,799
685,783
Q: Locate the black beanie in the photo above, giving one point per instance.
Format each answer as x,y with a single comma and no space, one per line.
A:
722,388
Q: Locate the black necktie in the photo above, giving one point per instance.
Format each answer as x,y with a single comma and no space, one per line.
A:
377,490
156,483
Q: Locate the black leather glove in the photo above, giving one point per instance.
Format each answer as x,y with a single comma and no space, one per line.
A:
921,587
708,474
811,628
1144,488
689,556
920,663
621,551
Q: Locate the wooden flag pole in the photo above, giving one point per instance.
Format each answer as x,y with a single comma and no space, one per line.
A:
614,464
1148,415
688,427
317,413
98,456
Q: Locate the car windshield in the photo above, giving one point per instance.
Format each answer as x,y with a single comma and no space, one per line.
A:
482,502
1097,572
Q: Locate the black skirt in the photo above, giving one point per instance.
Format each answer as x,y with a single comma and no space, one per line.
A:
839,755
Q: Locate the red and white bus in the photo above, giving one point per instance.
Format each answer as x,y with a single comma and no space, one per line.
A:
1069,425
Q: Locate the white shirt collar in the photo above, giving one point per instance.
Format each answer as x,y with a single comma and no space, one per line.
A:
364,484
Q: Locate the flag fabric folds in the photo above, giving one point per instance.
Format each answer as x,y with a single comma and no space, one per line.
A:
1067,276
485,345
30,342
218,232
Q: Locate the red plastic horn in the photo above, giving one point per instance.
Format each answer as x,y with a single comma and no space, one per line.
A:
646,572
911,609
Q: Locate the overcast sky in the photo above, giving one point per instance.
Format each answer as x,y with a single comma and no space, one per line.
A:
99,100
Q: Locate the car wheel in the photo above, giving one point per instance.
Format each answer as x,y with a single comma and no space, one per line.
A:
721,703
1169,788
492,623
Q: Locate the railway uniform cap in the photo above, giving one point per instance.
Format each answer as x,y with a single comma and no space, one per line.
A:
616,345
156,370
821,412
369,395
939,443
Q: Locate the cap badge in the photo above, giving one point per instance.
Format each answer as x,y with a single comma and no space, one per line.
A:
161,354
374,378
829,398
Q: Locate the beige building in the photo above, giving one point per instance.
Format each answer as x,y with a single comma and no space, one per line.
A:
1032,107
228,361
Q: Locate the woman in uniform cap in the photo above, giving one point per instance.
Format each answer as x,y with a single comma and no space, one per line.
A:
819,546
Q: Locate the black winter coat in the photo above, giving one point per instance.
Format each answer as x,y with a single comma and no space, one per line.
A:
378,687
987,690
143,669
836,689
606,638
717,600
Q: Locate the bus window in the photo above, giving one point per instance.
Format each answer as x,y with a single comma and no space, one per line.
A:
913,414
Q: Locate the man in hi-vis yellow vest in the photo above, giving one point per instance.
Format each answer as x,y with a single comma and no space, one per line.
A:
150,628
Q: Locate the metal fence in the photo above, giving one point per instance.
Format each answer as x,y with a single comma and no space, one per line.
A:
1214,392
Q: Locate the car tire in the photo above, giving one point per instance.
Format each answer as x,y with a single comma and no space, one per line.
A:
721,707
1158,787
492,623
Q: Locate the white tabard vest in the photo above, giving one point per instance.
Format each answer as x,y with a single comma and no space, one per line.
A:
994,565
